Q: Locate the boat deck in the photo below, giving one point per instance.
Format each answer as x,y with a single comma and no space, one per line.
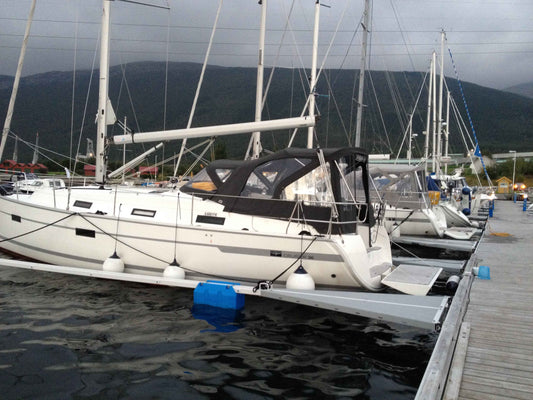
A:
493,356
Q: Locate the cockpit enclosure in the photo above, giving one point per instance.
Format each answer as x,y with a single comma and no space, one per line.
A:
401,186
326,188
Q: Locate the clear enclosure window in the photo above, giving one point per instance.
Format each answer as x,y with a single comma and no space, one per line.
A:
263,181
202,181
224,173
311,188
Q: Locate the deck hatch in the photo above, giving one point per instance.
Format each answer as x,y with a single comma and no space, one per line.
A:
82,204
85,232
143,213
208,219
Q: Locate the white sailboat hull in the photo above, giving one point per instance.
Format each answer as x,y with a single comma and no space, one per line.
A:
455,218
245,248
415,222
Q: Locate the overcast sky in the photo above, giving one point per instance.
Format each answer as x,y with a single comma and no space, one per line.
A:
491,41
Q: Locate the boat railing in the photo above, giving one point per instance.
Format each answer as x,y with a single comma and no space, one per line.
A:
404,199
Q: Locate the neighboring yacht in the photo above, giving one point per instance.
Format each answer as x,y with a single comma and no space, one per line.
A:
408,209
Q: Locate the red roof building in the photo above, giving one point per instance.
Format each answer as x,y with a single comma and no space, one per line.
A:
8,164
38,168
89,170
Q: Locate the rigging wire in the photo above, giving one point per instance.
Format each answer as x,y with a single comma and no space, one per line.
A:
469,118
200,82
410,124
85,106
73,93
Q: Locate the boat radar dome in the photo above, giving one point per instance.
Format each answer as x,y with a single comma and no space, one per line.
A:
113,264
300,280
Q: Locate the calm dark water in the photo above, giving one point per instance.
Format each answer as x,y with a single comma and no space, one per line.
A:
67,337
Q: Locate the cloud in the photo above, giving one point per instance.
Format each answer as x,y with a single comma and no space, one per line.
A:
492,41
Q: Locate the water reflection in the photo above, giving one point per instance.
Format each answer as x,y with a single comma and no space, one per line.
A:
73,337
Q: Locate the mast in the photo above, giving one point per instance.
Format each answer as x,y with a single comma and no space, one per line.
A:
410,147
434,101
100,173
312,80
16,150
362,74
36,150
256,136
11,106
441,99
447,131
428,115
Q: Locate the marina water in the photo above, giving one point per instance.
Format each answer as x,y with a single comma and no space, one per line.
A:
68,337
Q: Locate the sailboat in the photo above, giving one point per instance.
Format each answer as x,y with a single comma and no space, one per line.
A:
297,211
408,209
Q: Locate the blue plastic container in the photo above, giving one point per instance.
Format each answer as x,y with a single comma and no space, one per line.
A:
483,272
218,294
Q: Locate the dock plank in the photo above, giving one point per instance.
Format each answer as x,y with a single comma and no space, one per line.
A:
498,369
527,381
499,358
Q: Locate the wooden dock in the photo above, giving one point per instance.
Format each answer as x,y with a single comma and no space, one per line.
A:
492,346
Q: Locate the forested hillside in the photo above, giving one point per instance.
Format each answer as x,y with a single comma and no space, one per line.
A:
45,102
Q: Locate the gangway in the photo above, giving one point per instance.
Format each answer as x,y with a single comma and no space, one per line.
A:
450,266
449,244
425,312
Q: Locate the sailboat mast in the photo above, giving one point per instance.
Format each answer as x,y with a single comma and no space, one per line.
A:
11,106
447,131
428,115
362,75
16,150
36,150
256,136
441,100
434,101
312,79
100,173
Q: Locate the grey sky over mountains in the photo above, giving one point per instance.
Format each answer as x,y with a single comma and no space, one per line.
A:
491,41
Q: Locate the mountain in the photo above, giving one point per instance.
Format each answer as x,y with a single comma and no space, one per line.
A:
524,89
45,104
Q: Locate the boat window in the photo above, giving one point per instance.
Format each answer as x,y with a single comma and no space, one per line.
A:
263,181
351,182
223,173
82,204
143,213
202,181
311,188
352,205
209,219
85,232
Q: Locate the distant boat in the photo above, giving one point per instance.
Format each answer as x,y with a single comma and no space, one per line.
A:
408,209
